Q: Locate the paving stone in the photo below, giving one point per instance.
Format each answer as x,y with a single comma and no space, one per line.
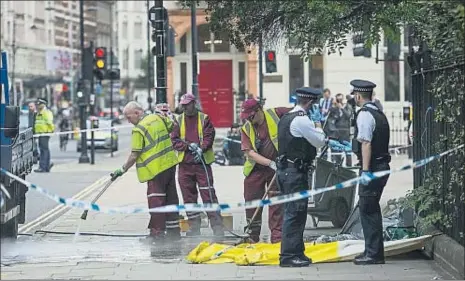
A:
90,265
92,271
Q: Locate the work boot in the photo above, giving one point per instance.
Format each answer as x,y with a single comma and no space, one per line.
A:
295,262
51,166
368,261
305,258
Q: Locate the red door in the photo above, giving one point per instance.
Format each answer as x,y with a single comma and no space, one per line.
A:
215,91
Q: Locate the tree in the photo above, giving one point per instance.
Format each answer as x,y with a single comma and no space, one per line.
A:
312,24
317,25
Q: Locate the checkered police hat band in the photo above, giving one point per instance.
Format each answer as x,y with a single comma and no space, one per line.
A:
357,89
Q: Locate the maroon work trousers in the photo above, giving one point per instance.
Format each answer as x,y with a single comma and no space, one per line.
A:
189,177
161,191
254,188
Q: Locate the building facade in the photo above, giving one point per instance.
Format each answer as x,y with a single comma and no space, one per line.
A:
225,71
42,39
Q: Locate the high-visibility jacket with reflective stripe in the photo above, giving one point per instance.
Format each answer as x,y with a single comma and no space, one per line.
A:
272,121
209,155
44,122
158,154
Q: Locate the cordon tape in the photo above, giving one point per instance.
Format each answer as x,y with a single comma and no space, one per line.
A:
82,131
223,206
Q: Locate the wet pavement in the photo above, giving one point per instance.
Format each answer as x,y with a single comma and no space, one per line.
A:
70,248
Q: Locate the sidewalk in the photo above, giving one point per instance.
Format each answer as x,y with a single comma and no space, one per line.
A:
97,257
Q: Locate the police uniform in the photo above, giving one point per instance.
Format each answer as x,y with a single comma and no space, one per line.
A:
43,124
372,126
298,140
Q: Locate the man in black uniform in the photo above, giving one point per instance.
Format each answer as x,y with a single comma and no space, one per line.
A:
299,137
372,149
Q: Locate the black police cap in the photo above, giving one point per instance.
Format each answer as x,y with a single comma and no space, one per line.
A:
362,86
41,101
307,92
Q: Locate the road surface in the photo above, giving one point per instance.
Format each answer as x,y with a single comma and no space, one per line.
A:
68,183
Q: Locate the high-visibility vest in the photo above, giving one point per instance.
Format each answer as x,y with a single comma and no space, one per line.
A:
44,122
209,156
158,154
272,121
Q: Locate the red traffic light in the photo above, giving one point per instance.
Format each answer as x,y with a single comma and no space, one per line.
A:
270,56
99,52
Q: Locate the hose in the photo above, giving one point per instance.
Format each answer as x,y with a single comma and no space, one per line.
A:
97,234
210,193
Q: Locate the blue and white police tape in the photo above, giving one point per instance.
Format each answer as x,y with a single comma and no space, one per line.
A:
396,150
81,131
222,206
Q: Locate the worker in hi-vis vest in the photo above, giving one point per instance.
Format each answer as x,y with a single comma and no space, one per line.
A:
156,160
193,137
43,124
259,137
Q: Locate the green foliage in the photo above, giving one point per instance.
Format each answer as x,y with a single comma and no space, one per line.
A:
438,199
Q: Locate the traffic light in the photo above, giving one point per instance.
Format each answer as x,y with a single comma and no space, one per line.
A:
100,62
113,74
359,49
270,62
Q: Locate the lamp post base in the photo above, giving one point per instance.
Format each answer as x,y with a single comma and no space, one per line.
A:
84,159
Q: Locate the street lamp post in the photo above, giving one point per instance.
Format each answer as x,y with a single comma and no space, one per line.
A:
111,76
195,81
84,158
157,19
149,64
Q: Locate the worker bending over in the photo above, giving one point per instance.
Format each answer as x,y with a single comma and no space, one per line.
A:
156,161
259,137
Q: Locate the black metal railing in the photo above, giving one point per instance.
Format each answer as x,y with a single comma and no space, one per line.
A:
432,137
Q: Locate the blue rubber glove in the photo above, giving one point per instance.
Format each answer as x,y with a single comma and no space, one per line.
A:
315,114
348,145
336,145
366,177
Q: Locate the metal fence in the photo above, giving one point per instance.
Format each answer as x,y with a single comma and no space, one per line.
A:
399,129
430,138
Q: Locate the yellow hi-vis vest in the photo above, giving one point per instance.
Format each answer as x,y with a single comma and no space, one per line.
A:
272,121
209,156
44,122
158,154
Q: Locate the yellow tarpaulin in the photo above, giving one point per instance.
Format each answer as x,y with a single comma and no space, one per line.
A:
268,254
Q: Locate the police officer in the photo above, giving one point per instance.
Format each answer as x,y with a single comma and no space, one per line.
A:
299,137
372,149
43,124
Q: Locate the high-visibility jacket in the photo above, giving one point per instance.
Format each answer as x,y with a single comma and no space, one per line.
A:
158,154
272,121
209,155
44,122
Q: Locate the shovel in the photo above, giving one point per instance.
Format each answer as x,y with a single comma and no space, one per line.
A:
107,185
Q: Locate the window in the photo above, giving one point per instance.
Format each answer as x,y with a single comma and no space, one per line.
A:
183,77
138,30
391,81
183,44
391,71
242,80
316,71
125,61
125,30
296,73
221,43
137,59
205,38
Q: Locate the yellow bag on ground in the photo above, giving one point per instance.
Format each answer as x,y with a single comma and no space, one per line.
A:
268,254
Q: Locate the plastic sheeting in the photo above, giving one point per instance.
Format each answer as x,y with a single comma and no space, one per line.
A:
398,222
268,254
